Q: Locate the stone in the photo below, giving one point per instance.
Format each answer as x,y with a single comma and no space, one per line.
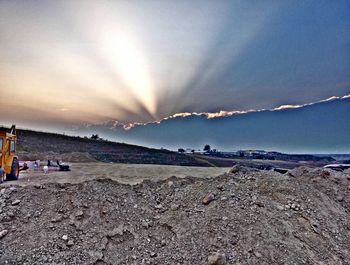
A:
57,218
70,243
260,204
16,202
235,169
340,198
217,259
170,184
3,233
221,187
79,214
116,231
174,207
65,237
208,199
145,224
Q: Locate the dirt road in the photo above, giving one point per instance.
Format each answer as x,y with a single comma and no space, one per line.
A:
122,173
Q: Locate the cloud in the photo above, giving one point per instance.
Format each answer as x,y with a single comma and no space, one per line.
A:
224,113
287,107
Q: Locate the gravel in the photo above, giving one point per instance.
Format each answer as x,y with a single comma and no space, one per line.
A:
255,217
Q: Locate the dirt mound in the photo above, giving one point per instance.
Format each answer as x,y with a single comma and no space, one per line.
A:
250,217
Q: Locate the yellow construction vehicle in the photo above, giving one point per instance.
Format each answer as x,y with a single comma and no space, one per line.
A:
9,164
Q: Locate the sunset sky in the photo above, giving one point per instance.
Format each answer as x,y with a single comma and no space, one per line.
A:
65,63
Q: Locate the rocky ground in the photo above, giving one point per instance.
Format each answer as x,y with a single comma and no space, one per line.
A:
242,217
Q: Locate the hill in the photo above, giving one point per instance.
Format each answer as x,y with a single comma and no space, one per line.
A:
34,145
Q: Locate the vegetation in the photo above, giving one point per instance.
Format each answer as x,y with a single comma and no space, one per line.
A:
207,148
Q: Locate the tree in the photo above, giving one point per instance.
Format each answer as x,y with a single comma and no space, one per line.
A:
94,137
181,150
207,148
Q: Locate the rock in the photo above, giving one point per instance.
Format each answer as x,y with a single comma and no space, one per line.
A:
170,184
10,214
70,243
260,204
217,259
208,199
145,224
234,241
57,219
3,233
324,173
235,169
224,198
153,254
79,214
280,207
16,202
221,187
174,206
315,227
65,237
340,198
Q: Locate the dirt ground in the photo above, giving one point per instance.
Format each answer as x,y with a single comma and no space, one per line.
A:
243,217
122,173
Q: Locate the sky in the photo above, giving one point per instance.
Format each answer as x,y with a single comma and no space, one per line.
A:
67,63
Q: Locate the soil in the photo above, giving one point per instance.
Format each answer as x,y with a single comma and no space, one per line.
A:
244,216
122,173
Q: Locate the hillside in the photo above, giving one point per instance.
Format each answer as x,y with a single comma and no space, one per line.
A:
34,145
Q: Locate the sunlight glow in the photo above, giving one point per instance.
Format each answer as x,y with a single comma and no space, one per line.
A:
126,56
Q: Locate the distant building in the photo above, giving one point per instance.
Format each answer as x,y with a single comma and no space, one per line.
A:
193,151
